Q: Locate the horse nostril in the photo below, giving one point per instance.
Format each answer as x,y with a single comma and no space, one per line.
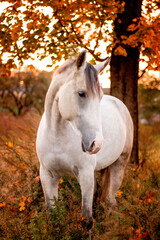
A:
92,146
83,148
88,148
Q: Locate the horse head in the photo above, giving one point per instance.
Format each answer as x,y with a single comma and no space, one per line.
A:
79,100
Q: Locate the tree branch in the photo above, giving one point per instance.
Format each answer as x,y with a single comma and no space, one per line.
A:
77,39
91,51
143,72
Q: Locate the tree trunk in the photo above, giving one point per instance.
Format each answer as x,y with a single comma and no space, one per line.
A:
124,70
124,76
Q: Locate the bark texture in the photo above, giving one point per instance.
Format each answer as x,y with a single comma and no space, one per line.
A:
124,69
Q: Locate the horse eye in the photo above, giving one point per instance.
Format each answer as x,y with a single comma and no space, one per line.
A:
82,94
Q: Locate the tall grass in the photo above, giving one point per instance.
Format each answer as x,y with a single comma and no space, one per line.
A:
22,209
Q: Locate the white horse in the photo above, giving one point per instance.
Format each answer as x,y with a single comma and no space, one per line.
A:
82,131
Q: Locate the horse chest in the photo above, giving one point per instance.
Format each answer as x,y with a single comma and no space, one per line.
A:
63,154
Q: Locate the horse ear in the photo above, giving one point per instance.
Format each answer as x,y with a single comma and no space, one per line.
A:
100,66
81,59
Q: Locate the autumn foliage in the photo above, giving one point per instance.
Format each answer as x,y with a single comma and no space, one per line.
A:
36,29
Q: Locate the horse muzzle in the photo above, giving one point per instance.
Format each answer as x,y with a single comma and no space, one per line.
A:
93,147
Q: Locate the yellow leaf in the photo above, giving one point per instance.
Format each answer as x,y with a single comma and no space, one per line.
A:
119,193
9,144
61,181
22,207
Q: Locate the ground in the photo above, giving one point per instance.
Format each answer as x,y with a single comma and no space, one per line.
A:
22,209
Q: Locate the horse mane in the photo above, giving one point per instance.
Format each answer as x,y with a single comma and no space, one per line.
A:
91,77
56,83
68,64
92,82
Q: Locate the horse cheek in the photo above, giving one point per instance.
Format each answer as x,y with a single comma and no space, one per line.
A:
67,106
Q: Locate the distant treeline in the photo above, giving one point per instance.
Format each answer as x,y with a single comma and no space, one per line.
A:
28,88
24,89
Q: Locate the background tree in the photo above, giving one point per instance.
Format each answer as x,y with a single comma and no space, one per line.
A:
26,28
125,67
24,89
149,99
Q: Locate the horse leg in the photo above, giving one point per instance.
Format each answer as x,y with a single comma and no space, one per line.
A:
49,183
86,180
95,196
112,179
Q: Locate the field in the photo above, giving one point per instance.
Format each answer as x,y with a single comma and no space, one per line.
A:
22,209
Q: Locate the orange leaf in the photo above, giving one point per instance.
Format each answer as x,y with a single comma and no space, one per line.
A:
119,193
2,205
9,144
21,166
61,181
29,200
132,27
30,25
22,206
120,51
149,200
139,230
24,198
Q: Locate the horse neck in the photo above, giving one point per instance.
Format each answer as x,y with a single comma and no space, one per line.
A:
55,122
50,99
51,105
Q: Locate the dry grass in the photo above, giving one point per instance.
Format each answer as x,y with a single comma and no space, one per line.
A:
18,171
22,211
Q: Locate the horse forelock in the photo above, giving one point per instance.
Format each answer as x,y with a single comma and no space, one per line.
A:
92,82
91,76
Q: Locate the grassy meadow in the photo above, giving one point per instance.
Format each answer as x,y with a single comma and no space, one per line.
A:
22,209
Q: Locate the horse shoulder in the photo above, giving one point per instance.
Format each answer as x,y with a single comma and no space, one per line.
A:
112,106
